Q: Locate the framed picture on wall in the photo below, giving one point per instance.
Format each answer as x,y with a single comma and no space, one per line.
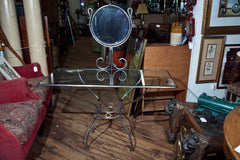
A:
7,71
230,69
210,59
214,21
229,8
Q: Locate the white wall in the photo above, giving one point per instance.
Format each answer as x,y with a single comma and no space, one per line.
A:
195,90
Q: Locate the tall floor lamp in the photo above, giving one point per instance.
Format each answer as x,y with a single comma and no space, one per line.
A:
142,9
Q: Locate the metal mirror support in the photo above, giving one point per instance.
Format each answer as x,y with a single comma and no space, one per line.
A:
110,26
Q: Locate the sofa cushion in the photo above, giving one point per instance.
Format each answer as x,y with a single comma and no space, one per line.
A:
20,118
40,91
29,71
16,90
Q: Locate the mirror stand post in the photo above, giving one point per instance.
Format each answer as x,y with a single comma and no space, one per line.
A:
110,58
111,27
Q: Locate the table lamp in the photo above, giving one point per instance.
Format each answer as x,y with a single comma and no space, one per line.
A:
142,9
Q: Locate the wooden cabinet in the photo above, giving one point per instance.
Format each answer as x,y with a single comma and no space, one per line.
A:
176,60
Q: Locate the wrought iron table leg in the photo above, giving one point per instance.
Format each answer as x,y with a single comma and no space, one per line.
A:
120,113
129,133
130,123
99,109
89,131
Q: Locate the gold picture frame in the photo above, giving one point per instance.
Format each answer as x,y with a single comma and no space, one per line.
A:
210,10
210,59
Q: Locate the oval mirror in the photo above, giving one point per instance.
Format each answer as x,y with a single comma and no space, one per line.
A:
110,26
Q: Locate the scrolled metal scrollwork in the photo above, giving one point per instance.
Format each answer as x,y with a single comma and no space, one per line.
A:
110,63
121,61
123,75
101,76
101,60
112,75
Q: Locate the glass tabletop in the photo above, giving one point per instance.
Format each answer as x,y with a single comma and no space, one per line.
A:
121,78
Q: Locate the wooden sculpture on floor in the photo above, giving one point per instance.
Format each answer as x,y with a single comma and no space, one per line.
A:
195,142
4,40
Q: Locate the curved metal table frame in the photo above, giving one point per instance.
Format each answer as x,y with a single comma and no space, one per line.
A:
119,78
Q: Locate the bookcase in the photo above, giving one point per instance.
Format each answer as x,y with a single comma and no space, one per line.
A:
176,60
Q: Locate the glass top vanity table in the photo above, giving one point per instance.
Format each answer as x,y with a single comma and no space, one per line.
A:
110,26
120,78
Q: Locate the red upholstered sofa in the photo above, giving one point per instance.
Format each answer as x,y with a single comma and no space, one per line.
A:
23,105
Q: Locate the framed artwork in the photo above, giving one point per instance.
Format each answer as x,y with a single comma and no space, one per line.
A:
7,71
215,21
230,68
229,8
134,57
210,59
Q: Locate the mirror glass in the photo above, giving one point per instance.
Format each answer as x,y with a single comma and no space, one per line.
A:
110,25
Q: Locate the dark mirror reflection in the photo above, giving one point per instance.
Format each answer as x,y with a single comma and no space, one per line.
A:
110,25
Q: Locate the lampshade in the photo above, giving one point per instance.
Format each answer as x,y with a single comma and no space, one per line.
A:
142,9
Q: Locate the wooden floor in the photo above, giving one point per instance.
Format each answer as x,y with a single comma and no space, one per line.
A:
68,121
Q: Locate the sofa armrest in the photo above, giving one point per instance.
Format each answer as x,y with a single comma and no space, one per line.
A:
10,145
16,90
29,71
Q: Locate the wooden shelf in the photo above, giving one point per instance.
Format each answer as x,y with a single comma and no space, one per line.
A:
155,105
175,59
